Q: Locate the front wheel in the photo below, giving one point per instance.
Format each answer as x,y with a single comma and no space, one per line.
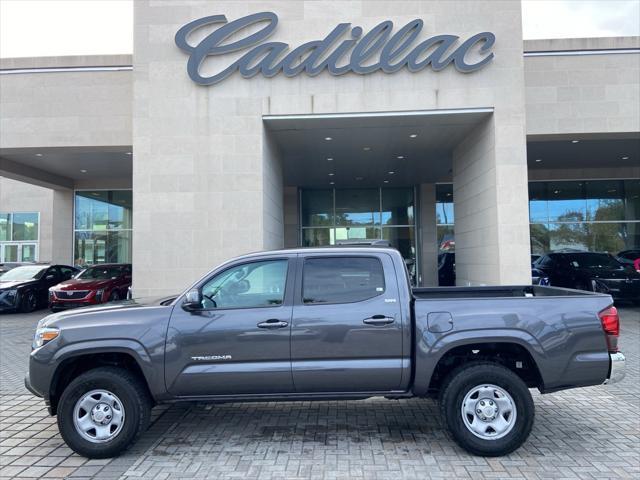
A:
487,408
29,302
103,411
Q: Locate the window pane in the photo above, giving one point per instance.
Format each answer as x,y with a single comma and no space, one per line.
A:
632,200
317,237
102,247
120,209
317,208
446,238
538,208
358,207
252,285
605,200
25,226
10,253
567,202
403,238
397,206
356,233
5,227
444,204
28,253
341,279
103,210
540,240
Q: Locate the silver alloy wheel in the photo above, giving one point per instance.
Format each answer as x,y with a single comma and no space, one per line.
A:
489,412
98,416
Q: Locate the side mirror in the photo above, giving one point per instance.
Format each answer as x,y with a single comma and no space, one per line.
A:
192,301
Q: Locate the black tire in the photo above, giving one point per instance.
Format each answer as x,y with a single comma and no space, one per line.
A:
464,380
29,302
135,403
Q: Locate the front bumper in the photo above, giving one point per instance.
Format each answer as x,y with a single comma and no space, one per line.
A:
617,370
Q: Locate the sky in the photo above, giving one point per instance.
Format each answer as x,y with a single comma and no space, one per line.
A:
30,28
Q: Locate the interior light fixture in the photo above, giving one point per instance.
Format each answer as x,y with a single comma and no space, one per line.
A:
386,181
538,160
329,159
331,174
366,149
129,153
332,183
626,157
38,154
83,171
391,172
328,138
400,157
575,141
413,135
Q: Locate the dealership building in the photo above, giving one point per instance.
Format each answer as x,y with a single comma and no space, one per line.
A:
243,126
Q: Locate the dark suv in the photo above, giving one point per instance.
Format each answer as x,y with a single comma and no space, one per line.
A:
591,271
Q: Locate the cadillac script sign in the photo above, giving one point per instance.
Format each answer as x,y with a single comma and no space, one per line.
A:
345,49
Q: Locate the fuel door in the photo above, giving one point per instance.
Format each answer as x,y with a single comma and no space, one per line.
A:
439,322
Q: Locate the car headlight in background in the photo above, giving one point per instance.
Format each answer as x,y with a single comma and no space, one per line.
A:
44,335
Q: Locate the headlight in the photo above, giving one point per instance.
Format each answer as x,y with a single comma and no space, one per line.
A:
44,335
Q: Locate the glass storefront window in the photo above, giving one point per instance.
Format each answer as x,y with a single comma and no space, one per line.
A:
24,226
611,237
444,204
566,202
5,219
605,200
317,208
329,216
357,206
103,227
397,206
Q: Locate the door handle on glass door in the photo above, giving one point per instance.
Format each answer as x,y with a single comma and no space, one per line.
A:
273,323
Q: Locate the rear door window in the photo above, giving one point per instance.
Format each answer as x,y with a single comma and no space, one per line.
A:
341,279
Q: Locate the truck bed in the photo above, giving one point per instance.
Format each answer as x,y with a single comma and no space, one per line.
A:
497,292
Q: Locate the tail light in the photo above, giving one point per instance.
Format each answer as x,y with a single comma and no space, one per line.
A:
611,326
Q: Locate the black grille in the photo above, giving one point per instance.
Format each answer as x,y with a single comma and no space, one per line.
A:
71,294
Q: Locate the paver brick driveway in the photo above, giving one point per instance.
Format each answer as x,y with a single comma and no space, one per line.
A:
588,433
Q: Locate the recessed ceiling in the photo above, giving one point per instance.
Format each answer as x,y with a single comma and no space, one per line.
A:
98,162
364,149
597,153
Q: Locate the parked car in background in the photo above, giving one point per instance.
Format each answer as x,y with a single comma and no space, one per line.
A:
93,285
447,271
26,288
6,266
591,271
630,257
324,324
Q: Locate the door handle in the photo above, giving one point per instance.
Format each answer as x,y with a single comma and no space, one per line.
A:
379,320
273,323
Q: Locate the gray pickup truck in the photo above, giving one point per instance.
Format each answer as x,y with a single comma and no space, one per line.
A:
317,324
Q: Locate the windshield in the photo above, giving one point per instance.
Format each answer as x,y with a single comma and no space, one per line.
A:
30,272
100,273
593,261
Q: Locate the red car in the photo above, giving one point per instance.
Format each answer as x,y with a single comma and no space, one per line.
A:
97,284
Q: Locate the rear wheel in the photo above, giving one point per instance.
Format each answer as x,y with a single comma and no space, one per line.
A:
487,408
103,411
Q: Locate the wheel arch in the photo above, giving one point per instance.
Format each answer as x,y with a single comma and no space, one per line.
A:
80,361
